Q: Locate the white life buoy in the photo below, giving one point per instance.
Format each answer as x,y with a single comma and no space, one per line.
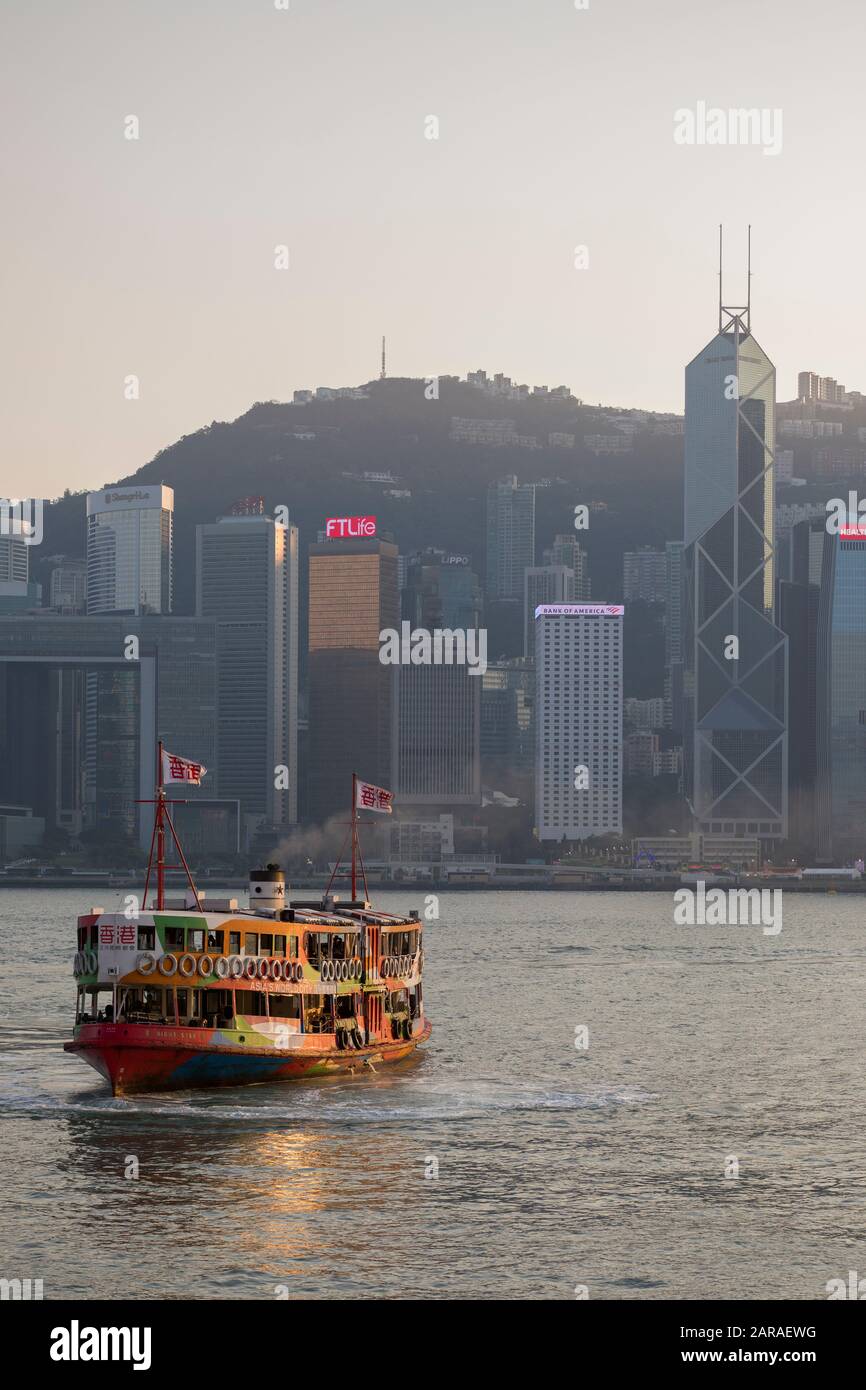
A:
167,964
383,965
264,969
146,963
326,971
344,971
276,969
186,966
92,962
250,968
221,966
205,965
299,972
236,967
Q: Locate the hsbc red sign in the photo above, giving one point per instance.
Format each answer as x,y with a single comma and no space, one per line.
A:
349,527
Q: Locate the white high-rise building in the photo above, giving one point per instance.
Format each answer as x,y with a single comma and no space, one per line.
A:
129,549
247,582
578,712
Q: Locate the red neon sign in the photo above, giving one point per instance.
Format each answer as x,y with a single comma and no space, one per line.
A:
344,527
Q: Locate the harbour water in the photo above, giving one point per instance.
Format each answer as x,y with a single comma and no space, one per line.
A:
505,1162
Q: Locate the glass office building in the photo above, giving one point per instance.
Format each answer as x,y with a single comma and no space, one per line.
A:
841,714
247,583
353,596
129,550
735,701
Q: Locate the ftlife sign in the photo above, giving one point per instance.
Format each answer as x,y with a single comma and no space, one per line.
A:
349,527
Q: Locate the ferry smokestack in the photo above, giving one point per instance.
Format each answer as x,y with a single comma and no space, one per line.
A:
267,889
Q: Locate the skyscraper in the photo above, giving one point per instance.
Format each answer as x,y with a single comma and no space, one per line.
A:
567,550
543,584
440,590
841,701
129,550
247,583
510,536
674,635
644,575
353,597
437,729
735,656
578,710
17,591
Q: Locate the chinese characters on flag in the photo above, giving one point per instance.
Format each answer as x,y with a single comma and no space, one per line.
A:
175,769
370,798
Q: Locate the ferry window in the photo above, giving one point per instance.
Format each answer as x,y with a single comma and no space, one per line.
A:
316,944
292,943
251,946
338,947
215,939
182,1002
266,944
234,943
195,939
174,938
318,1015
250,1002
279,946
145,939
285,1006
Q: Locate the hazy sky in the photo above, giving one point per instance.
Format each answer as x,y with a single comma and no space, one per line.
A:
261,127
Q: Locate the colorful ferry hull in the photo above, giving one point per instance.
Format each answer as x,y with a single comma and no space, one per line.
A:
143,1058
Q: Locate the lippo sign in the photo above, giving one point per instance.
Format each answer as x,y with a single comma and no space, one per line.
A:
580,610
346,527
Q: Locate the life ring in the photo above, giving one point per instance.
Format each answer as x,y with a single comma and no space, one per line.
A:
276,969
383,966
91,962
167,964
236,967
221,967
205,961
251,968
146,963
353,968
299,972
264,969
186,961
344,970
327,970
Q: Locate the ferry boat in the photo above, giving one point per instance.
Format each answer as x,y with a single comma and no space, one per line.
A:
190,993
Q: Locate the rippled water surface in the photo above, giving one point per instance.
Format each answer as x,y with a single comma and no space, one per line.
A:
557,1167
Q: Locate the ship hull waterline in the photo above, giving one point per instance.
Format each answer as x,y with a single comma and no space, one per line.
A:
151,1063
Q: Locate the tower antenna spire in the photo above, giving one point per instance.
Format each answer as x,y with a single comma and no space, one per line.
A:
720,277
382,373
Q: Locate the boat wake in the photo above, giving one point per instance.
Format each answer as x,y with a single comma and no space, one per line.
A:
369,1101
